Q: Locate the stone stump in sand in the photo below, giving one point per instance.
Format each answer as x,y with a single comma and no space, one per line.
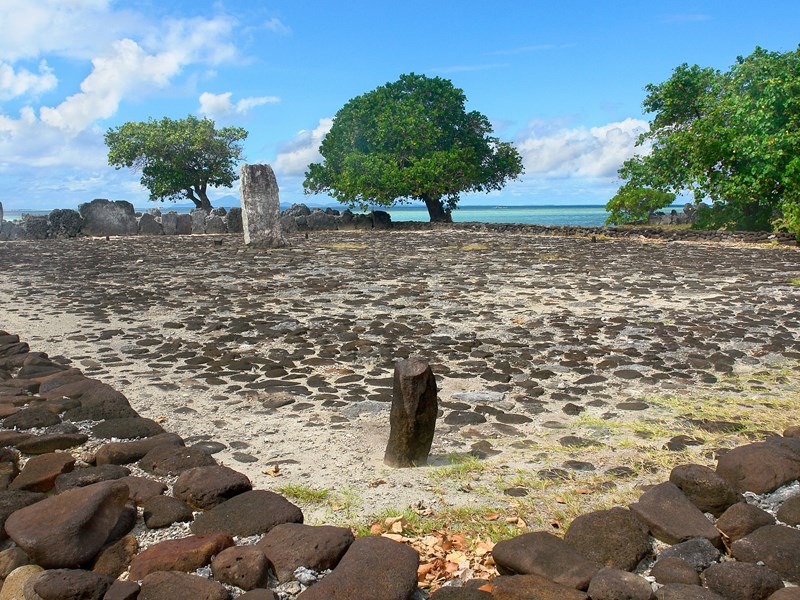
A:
413,416
260,207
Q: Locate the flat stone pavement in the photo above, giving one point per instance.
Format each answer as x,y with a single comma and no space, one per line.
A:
542,346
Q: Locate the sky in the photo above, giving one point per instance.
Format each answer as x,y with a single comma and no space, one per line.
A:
563,81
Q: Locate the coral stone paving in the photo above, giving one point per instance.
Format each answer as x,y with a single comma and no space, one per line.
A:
568,370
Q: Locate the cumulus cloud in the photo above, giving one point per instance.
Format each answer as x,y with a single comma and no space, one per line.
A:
220,105
127,66
21,82
72,28
595,152
295,156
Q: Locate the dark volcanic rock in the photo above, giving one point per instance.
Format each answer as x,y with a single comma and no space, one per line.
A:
671,516
742,519
205,487
163,511
185,554
763,466
680,591
50,442
126,429
31,418
541,553
171,584
142,488
250,513
612,584
71,584
614,538
413,415
373,568
698,553
40,472
777,546
88,476
121,453
674,570
69,529
533,587
741,581
13,500
173,460
708,491
243,566
292,545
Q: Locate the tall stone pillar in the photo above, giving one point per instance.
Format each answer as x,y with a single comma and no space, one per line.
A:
413,416
260,207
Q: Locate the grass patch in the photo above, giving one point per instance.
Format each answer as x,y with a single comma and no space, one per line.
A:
463,468
304,493
795,281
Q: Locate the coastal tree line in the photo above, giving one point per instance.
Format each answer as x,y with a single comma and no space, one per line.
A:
728,139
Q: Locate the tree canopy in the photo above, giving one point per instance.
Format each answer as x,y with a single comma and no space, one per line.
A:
732,139
411,140
178,158
636,205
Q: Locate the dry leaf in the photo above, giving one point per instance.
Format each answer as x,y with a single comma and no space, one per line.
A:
376,529
521,524
584,491
274,471
492,516
376,483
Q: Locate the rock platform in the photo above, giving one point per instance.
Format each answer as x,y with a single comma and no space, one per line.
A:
78,508
574,360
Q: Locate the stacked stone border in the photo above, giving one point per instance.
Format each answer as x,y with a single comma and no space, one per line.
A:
106,218
80,470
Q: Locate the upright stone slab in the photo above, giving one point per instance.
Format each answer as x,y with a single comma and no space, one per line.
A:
260,207
104,217
413,416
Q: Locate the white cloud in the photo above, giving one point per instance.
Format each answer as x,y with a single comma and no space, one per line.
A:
275,25
128,67
72,28
21,82
220,105
579,152
295,156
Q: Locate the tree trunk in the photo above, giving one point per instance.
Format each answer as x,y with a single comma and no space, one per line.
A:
190,195
205,203
437,211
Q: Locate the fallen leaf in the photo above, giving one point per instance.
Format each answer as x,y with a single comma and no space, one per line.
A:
376,483
376,529
274,471
492,516
584,491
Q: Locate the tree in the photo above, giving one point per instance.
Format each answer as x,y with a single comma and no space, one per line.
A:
636,205
731,138
178,158
411,140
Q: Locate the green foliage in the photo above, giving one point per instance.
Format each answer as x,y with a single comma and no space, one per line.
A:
635,205
178,158
731,137
411,140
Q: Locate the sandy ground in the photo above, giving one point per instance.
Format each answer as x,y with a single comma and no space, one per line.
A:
560,362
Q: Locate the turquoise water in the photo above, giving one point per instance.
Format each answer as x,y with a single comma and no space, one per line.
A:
585,216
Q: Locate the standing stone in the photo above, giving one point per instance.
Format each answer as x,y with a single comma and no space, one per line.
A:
104,217
169,223
413,416
148,225
184,226
1,212
233,220
198,216
261,207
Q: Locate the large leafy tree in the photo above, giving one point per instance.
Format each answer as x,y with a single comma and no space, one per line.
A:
730,138
178,158
636,205
411,140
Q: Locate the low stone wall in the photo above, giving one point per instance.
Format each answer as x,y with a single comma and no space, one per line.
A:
104,217
683,235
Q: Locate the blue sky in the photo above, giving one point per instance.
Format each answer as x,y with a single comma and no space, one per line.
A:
563,81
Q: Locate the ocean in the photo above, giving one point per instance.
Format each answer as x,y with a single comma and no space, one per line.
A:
585,216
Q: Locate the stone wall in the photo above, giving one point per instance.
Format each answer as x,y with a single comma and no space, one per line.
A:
299,217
